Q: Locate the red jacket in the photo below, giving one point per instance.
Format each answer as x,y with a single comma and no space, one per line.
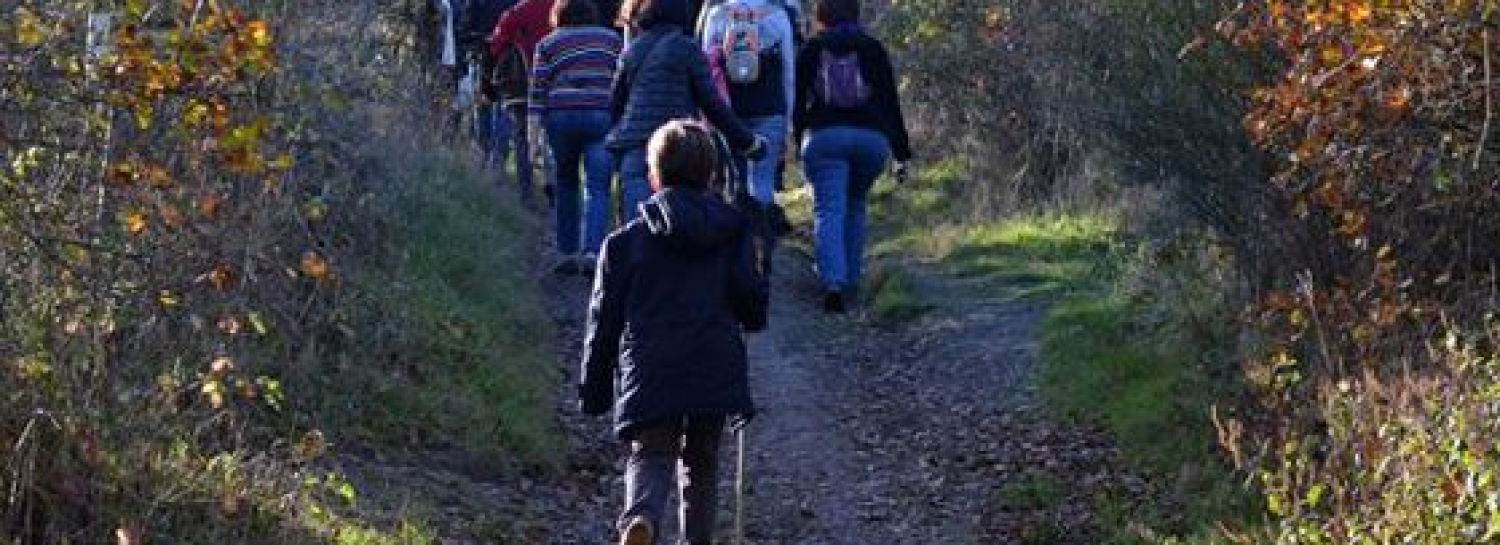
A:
523,25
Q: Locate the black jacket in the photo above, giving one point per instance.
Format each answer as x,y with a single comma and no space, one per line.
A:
477,21
881,113
663,76
674,290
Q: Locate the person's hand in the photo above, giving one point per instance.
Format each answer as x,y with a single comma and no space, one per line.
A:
901,171
757,149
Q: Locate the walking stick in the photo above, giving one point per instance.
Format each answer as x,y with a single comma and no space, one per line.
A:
739,485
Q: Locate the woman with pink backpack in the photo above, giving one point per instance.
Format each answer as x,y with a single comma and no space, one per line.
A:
847,116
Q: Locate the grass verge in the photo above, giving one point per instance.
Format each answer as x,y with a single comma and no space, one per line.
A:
453,340
1130,342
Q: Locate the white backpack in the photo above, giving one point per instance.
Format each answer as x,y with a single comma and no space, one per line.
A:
741,44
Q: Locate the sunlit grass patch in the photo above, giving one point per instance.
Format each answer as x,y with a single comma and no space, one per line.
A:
1040,255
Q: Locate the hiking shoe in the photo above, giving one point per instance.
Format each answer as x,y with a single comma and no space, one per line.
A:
638,532
833,301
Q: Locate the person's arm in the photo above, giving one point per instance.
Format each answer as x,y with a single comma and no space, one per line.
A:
540,89
606,323
619,87
889,102
749,289
807,67
504,34
783,24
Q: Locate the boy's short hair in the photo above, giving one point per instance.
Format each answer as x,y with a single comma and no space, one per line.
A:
682,154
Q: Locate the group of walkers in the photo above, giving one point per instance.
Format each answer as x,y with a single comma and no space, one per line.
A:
683,102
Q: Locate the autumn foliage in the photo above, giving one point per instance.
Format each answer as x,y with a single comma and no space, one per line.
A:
167,254
1371,361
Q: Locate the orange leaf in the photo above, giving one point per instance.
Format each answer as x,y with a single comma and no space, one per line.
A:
157,176
170,216
221,277
259,33
208,206
314,266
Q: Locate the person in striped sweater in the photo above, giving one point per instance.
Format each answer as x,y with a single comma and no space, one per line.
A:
572,70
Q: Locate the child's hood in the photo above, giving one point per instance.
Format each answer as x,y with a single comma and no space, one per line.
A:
691,221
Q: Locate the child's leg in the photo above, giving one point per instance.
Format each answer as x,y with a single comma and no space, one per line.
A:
648,473
700,477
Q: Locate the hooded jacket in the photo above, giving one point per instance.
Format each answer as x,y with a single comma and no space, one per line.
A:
882,113
673,292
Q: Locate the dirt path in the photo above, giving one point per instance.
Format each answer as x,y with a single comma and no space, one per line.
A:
870,433
917,433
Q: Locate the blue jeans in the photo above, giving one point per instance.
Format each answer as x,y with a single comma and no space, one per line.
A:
842,164
762,174
509,124
635,188
577,140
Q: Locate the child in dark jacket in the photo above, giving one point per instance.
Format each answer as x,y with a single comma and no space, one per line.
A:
675,289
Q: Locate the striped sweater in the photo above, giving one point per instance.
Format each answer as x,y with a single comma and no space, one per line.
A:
573,69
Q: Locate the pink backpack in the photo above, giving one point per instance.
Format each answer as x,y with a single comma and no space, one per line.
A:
840,83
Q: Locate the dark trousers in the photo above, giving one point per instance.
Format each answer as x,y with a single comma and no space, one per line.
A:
508,134
655,453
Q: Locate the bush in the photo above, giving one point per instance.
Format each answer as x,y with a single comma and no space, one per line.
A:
1379,120
174,178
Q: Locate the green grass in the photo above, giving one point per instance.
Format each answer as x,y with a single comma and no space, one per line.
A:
458,347
894,297
1114,358
1035,491
1102,366
1049,254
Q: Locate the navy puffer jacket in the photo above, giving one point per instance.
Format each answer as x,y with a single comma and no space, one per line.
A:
664,76
674,291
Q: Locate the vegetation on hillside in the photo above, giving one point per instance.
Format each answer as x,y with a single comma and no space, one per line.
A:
1267,224
194,314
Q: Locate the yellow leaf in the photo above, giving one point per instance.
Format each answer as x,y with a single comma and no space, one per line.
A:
136,222
259,33
143,115
29,31
282,162
214,390
195,114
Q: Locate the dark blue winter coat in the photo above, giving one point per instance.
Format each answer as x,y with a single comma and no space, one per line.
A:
663,76
674,291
